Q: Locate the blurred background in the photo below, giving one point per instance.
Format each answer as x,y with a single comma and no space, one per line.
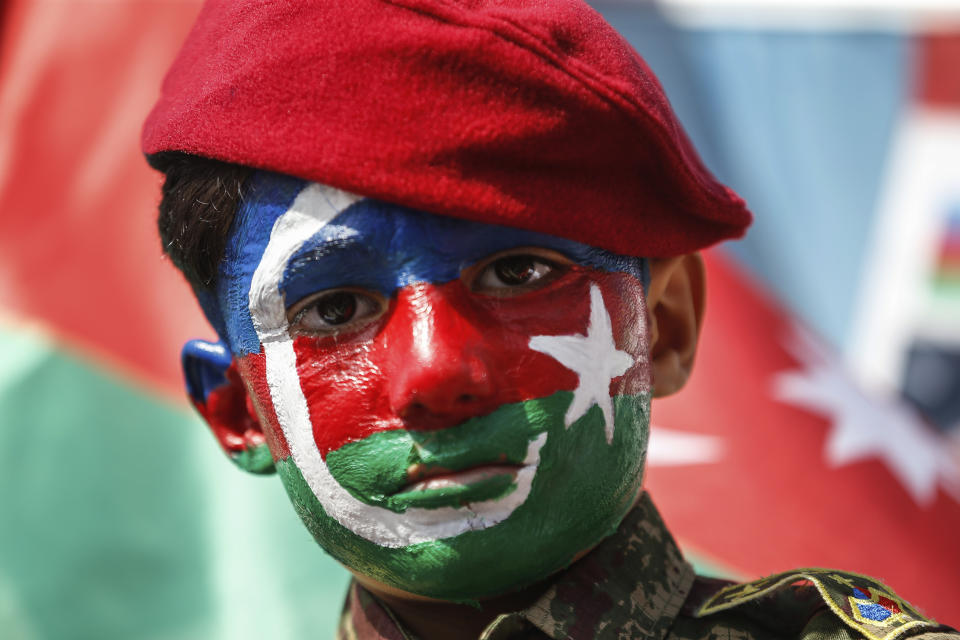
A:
821,426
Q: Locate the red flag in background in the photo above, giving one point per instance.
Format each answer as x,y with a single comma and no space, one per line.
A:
772,458
79,249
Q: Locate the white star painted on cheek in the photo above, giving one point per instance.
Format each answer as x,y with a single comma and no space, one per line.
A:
865,427
594,358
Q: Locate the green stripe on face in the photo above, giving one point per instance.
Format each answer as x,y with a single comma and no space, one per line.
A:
374,470
582,489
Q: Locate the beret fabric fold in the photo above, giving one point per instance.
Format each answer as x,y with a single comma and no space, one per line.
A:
533,114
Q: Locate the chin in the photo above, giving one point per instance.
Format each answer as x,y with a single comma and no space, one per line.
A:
570,509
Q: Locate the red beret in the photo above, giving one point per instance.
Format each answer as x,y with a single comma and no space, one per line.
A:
529,113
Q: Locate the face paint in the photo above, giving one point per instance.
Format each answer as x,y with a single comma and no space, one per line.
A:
456,409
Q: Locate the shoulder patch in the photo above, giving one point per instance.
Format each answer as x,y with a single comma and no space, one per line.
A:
864,604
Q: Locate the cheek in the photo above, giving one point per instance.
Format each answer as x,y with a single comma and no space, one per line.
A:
344,389
565,311
627,306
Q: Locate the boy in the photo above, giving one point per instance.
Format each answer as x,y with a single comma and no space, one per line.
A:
450,251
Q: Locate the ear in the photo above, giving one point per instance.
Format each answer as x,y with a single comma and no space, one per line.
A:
219,395
675,303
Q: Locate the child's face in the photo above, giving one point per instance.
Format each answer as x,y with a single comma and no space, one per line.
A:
456,409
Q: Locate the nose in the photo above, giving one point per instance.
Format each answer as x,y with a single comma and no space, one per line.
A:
441,370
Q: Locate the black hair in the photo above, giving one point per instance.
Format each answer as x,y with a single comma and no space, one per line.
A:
199,199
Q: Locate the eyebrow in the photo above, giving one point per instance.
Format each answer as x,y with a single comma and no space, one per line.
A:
323,264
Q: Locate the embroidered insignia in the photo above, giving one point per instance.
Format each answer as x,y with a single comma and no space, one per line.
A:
875,607
862,603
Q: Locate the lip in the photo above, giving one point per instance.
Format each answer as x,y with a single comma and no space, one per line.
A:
436,487
438,478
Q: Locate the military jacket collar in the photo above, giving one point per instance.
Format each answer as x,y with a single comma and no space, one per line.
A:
632,584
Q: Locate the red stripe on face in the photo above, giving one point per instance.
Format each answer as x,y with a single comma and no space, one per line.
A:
443,354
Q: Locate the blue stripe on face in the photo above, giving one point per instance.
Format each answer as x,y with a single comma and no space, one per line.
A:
268,196
383,247
371,245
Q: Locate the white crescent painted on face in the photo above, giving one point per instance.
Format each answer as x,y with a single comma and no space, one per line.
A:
310,212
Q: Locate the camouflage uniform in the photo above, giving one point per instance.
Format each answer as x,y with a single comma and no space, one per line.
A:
636,584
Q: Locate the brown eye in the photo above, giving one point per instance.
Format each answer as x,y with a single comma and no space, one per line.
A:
518,272
333,311
336,308
515,270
